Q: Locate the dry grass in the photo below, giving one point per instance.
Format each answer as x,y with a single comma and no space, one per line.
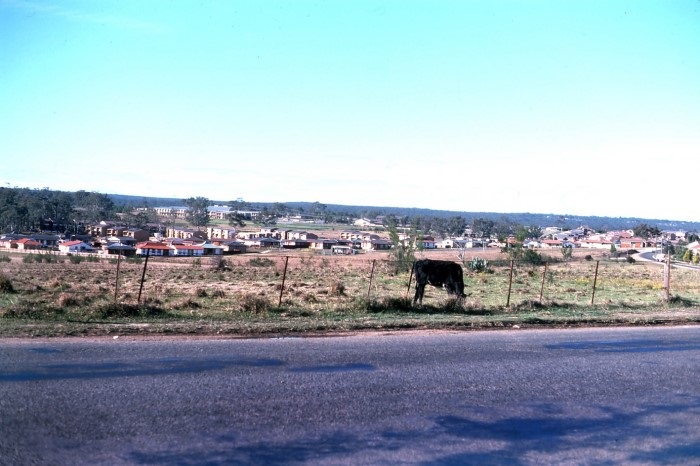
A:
252,294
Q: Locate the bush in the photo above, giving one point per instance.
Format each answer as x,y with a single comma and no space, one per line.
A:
75,259
532,257
261,262
4,258
255,304
337,289
117,310
478,265
6,285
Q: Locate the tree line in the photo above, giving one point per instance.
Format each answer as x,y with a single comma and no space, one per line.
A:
31,210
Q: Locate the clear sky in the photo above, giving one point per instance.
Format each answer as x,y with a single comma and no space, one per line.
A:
565,107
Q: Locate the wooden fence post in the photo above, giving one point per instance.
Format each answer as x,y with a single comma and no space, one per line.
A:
284,277
143,274
544,274
510,282
595,280
410,279
667,278
371,276
116,282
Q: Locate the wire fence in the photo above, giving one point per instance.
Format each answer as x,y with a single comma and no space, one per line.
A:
330,282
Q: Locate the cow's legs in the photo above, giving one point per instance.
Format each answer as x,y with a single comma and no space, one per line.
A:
420,288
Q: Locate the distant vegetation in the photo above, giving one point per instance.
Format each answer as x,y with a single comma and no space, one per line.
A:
27,210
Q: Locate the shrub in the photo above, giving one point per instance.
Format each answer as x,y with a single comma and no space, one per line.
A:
390,304
478,265
261,262
128,310
67,300
588,257
6,285
75,259
5,258
218,293
337,289
255,304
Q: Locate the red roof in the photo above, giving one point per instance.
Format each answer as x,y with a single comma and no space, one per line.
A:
26,240
71,243
152,245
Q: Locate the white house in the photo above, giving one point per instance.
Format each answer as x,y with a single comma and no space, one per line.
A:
189,250
74,246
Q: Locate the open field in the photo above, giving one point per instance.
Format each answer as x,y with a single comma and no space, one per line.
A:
283,292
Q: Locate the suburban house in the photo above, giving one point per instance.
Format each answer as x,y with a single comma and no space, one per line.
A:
632,243
24,244
172,211
152,248
75,246
219,212
551,243
428,242
211,249
453,243
185,233
365,222
189,250
120,249
351,234
596,243
221,233
375,244
129,241
321,244
46,241
232,247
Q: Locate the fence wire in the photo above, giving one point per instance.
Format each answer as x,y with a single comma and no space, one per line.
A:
318,283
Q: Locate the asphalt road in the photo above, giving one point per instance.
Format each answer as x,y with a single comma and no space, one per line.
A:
520,397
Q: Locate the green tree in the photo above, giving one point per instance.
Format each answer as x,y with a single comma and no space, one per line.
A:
197,214
688,255
403,253
236,220
92,207
646,231
482,227
566,253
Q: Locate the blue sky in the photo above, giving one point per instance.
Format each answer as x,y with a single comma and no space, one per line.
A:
565,107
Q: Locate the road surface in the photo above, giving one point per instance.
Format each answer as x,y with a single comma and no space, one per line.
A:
599,396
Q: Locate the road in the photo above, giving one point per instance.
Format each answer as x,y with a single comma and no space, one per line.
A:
523,397
649,254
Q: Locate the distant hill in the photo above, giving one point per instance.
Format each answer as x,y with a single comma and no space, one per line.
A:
523,218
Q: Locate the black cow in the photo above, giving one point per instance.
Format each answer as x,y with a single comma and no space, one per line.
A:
438,273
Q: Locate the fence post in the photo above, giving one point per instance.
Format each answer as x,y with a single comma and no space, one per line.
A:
595,280
143,275
510,282
410,279
116,283
371,276
667,278
284,277
544,274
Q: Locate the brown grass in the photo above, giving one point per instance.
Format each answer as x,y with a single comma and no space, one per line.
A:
340,292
